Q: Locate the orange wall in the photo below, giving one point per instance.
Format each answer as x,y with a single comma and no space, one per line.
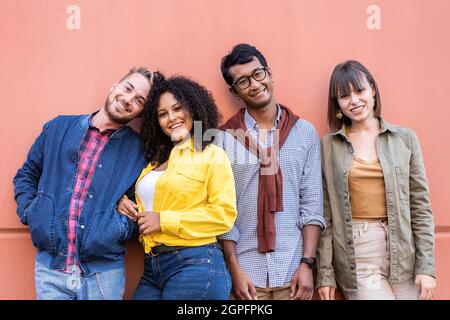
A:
47,69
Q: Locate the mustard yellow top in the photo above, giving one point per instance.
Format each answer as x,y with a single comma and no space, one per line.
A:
195,197
367,191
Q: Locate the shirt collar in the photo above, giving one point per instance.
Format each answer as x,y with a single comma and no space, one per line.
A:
385,126
251,123
186,144
91,125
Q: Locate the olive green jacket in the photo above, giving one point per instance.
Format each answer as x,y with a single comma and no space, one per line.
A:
410,217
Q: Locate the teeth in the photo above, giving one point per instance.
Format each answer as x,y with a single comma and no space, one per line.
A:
121,105
259,92
356,108
175,126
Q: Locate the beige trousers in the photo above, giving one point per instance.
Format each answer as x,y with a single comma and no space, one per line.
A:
371,241
277,293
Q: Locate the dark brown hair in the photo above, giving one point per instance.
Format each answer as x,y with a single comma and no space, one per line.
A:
345,74
198,101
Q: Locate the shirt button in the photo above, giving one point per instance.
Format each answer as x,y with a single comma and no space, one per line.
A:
91,196
349,242
345,194
347,219
353,267
100,166
82,226
345,172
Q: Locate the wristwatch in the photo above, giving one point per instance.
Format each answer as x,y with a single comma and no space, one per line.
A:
310,261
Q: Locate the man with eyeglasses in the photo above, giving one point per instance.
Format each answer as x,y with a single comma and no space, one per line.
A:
276,162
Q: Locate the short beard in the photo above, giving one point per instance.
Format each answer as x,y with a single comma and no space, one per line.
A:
117,120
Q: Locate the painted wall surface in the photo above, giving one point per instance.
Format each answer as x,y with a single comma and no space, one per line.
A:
62,56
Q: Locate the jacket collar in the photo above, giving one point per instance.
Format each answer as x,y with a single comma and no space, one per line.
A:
85,122
385,126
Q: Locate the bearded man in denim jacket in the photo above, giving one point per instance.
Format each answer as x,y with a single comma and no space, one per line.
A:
67,191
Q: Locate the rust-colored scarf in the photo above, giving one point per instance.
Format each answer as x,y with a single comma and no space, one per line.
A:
270,189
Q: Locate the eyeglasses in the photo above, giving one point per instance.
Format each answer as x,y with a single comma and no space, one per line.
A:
244,82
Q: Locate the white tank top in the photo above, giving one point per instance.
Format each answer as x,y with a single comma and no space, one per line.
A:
146,189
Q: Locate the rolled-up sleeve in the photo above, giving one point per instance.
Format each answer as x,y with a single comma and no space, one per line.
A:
311,193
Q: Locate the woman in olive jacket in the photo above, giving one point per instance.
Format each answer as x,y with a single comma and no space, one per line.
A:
379,242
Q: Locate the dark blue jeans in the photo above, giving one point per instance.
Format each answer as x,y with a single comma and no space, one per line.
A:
197,273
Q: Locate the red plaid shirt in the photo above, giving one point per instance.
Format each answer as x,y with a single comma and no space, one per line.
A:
90,150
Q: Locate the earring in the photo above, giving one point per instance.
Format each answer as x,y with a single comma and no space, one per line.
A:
339,115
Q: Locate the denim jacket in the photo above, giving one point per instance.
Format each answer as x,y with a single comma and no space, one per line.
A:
43,189
410,218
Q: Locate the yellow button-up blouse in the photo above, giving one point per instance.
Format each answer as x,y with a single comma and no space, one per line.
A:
195,197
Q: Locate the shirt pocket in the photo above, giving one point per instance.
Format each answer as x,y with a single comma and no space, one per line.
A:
402,177
188,183
190,177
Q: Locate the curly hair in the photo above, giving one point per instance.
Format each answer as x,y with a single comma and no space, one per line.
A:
197,100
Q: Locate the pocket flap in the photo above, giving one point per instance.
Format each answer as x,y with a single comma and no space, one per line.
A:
192,174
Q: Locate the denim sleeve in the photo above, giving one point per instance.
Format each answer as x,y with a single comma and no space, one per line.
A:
311,193
131,228
27,178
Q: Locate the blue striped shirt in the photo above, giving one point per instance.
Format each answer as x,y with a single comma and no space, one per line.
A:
299,161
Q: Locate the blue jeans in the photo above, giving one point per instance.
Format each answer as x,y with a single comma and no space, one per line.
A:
57,285
197,273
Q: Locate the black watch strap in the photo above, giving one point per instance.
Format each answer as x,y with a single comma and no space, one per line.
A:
310,261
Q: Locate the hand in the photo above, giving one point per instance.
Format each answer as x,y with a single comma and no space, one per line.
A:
302,287
326,293
426,285
243,288
149,222
128,208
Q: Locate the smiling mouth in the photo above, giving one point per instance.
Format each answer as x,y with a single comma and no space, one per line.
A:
122,106
259,93
176,126
357,109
